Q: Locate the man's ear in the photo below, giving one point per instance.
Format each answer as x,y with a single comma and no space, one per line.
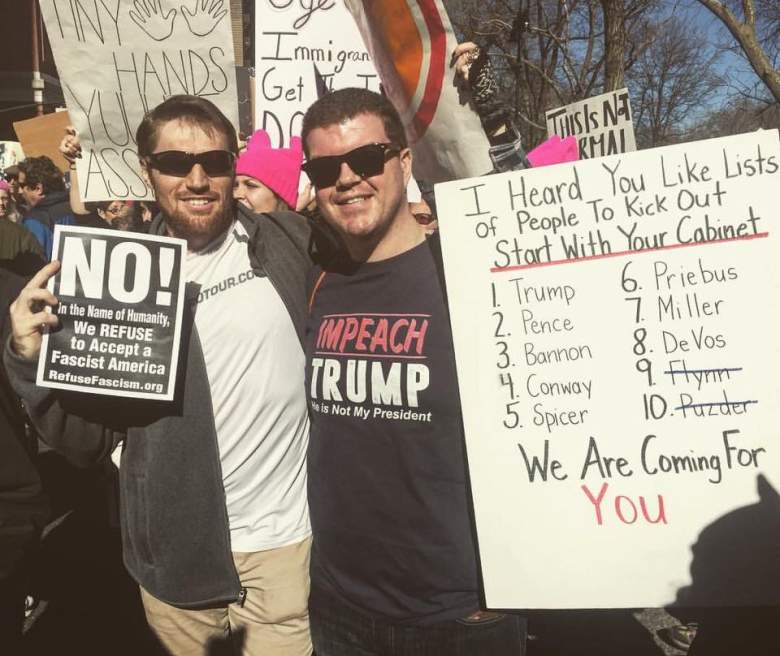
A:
405,157
145,173
38,188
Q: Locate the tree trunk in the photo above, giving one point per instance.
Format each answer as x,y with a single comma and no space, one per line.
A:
614,43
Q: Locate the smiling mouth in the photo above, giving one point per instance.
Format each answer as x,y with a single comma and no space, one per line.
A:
353,201
198,202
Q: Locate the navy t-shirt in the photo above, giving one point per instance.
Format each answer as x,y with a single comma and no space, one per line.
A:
387,475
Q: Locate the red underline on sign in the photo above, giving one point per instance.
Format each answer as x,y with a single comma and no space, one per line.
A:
602,256
372,355
374,314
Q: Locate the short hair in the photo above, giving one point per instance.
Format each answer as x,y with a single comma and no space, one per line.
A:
41,170
191,110
345,104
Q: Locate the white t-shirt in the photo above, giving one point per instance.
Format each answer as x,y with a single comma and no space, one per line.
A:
255,366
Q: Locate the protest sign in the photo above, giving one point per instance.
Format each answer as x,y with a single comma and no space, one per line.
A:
11,153
42,136
292,37
614,323
411,44
602,124
117,60
120,307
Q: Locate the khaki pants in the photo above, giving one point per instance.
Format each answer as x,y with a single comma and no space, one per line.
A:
274,620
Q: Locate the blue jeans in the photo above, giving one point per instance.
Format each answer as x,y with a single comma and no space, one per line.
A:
339,630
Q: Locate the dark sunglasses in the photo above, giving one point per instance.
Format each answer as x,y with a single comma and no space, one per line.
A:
215,163
365,161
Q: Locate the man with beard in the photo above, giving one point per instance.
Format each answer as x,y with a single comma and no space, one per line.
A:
213,485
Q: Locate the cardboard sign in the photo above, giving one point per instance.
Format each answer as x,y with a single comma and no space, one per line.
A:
602,124
42,136
121,302
293,37
117,60
615,325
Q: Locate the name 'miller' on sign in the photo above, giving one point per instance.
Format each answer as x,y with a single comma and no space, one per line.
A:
602,124
615,325
292,38
117,59
120,307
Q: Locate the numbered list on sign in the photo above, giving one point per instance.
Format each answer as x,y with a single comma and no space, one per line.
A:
614,324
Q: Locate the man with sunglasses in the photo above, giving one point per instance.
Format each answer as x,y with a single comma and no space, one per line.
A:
394,560
213,486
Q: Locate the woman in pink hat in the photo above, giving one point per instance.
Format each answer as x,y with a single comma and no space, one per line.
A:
267,178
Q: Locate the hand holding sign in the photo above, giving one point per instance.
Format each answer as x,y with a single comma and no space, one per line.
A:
28,316
149,16
70,146
205,16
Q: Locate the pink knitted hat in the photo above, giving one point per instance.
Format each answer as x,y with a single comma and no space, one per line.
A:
279,169
4,186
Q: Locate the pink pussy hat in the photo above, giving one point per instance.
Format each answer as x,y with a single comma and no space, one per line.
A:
4,186
279,169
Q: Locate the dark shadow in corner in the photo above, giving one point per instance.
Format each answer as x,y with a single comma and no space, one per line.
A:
736,561
230,645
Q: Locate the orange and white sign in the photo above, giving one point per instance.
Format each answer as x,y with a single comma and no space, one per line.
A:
411,42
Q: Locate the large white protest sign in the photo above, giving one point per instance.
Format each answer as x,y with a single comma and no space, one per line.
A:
292,37
615,325
602,124
120,307
117,59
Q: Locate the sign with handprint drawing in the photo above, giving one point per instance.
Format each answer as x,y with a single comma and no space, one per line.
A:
117,59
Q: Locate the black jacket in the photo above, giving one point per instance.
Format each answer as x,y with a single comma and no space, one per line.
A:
175,531
23,507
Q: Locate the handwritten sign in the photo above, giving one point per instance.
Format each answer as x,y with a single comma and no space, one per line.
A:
118,59
121,302
292,38
615,326
602,124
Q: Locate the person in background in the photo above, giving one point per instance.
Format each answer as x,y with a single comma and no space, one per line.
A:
11,175
115,214
267,178
20,252
8,208
43,188
23,505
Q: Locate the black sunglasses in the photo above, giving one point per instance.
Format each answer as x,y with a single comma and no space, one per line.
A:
365,161
215,163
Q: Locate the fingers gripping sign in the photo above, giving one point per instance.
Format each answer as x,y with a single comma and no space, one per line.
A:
31,313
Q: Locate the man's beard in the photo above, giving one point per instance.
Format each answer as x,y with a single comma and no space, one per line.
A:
201,230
